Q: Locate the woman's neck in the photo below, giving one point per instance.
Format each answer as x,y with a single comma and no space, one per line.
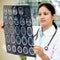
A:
45,27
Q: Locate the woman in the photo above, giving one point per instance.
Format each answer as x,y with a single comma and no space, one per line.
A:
47,43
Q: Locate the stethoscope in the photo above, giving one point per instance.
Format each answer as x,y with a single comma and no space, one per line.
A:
46,47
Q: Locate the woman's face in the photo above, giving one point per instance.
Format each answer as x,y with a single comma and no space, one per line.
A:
45,17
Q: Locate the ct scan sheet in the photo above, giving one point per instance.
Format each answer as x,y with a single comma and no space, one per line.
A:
18,30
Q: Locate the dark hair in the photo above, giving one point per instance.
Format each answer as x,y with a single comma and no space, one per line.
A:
50,8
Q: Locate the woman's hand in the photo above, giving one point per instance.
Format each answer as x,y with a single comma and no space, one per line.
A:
1,26
39,51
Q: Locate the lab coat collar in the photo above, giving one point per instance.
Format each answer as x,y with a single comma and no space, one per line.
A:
50,30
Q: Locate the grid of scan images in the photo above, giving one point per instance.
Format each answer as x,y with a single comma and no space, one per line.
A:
18,30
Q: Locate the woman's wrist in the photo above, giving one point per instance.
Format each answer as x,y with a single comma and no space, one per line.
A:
44,57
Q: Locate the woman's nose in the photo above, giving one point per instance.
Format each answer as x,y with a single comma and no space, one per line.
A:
41,16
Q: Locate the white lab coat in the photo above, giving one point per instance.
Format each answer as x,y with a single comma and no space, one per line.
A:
54,48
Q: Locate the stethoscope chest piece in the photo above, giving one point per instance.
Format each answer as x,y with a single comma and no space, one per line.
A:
46,48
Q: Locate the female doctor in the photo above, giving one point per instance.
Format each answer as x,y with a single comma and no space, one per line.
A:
47,43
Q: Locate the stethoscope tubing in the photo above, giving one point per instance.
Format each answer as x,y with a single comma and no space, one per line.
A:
46,47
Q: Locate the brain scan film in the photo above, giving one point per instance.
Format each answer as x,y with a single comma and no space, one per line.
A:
18,30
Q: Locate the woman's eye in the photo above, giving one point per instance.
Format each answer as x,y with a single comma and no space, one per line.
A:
45,13
39,14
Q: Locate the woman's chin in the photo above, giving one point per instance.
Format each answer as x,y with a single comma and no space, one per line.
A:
43,24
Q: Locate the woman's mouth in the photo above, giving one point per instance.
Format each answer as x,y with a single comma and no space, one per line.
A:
42,21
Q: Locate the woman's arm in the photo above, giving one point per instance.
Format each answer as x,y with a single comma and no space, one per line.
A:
56,50
39,51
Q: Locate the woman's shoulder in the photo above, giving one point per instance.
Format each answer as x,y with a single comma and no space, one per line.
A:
58,32
57,37
35,29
